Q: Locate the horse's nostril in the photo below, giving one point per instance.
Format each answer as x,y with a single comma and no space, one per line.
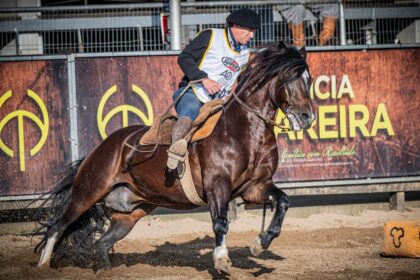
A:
305,116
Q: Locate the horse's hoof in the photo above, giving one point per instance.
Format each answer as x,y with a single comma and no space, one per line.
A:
101,266
223,265
256,248
44,266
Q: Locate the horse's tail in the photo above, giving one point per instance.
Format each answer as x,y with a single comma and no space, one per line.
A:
76,245
55,200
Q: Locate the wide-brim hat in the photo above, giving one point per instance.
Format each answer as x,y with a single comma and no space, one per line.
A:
245,18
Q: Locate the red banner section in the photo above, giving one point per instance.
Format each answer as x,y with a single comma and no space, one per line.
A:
366,101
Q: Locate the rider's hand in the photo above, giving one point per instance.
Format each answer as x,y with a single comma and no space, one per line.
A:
211,86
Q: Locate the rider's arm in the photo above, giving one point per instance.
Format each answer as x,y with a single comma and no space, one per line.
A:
191,56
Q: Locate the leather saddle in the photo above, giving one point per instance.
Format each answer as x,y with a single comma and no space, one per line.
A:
203,126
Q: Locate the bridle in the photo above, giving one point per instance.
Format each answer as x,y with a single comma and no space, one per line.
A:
267,120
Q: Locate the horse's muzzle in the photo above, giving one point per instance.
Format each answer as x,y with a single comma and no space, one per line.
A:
307,119
300,120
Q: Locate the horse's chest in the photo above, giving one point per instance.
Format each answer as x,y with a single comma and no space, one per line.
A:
261,166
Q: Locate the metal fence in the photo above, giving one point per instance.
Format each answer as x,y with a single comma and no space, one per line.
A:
137,27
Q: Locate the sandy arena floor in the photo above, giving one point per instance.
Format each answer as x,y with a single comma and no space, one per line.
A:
321,246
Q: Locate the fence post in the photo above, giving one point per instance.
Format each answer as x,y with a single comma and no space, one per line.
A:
74,135
343,40
175,19
235,209
396,201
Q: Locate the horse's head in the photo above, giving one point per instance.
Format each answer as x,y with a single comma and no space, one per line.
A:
290,92
283,71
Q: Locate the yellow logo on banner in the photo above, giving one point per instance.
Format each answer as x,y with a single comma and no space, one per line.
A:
20,114
124,109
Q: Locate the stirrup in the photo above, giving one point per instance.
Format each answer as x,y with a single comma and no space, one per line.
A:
176,153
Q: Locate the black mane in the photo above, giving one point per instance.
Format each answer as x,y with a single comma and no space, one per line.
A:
282,61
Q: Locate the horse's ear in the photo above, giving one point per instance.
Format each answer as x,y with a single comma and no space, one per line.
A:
302,51
282,45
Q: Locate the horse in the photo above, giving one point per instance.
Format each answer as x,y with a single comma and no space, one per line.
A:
238,159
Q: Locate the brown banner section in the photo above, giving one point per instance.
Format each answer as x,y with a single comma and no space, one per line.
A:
368,110
366,101
121,91
34,135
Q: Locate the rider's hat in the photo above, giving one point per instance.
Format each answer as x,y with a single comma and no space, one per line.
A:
245,18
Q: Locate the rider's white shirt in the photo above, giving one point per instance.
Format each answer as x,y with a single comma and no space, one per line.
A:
222,64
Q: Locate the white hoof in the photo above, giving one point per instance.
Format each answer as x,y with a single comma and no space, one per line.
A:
223,264
43,266
256,248
221,259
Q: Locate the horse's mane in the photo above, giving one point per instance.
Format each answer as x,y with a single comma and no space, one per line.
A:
282,61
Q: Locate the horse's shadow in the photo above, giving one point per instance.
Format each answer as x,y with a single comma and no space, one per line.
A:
197,254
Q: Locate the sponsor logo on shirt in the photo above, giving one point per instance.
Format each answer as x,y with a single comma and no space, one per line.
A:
230,64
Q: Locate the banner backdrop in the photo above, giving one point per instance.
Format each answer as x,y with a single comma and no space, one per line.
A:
368,118
367,104
34,134
120,91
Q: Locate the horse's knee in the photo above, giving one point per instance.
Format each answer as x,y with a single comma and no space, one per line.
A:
284,200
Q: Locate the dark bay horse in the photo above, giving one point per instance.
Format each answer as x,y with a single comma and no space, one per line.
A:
237,160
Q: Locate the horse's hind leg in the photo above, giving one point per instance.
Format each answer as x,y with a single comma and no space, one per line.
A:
121,225
75,208
86,191
268,193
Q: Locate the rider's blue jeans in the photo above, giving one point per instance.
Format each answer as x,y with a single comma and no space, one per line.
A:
189,105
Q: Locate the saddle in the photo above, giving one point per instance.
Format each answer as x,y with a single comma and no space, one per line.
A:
161,132
203,125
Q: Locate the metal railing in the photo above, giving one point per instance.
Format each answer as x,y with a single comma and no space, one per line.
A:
137,27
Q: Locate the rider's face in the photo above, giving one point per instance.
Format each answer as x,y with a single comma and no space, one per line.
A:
242,34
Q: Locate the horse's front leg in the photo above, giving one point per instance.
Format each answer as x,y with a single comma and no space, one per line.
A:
218,201
268,193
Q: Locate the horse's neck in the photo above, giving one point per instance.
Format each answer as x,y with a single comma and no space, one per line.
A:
238,117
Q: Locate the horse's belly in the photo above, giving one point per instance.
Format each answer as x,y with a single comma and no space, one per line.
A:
122,199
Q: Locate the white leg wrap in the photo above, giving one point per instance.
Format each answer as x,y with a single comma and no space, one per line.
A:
47,251
221,251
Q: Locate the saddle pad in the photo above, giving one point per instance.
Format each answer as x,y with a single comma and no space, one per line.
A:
203,125
207,128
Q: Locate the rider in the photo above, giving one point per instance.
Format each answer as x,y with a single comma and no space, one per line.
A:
215,58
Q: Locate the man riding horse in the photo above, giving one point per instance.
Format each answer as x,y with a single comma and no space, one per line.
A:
238,159
215,58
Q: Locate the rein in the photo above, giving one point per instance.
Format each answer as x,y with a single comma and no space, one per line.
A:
264,118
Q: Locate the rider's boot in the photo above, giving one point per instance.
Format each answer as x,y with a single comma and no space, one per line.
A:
328,29
178,148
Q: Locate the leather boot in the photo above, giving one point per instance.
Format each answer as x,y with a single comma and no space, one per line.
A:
178,148
298,33
328,29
